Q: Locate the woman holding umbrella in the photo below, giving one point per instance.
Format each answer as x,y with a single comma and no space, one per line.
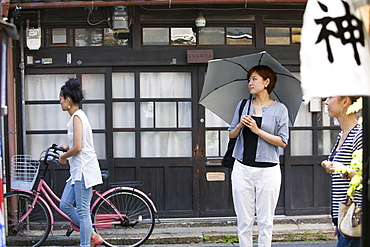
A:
256,176
348,141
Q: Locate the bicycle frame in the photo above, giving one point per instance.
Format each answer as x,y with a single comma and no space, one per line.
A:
47,196
44,189
127,189
104,221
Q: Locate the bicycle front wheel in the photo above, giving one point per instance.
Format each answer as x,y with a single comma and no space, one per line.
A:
34,228
124,218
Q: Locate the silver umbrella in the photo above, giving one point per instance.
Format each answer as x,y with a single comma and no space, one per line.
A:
226,84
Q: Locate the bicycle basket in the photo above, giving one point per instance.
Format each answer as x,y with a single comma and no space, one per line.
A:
24,170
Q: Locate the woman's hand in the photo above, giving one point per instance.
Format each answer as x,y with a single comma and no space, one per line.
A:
65,147
62,160
331,166
346,171
249,122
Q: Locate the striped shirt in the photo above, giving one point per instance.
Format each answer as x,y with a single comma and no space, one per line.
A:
340,186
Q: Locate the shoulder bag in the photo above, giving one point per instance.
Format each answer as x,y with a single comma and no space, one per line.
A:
228,160
349,219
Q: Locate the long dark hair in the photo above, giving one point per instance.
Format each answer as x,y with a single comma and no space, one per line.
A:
73,89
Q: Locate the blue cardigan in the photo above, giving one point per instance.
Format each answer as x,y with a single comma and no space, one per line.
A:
274,121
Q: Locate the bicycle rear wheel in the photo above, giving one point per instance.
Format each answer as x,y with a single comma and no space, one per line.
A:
138,218
34,229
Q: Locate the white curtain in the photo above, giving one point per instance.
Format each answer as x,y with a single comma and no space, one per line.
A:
44,116
166,85
161,112
51,117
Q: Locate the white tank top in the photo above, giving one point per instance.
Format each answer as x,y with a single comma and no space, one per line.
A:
85,162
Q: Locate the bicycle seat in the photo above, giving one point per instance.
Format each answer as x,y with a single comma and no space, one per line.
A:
104,175
127,183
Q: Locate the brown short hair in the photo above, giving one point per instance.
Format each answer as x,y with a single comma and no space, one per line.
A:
265,72
351,98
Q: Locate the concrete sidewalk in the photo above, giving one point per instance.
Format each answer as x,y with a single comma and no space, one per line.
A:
197,230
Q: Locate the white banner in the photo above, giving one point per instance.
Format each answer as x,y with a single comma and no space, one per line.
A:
335,54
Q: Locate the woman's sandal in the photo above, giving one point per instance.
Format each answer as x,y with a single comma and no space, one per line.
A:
96,239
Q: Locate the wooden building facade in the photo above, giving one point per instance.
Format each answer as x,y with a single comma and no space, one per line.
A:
143,65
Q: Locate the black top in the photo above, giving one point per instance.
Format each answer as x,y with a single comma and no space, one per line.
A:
250,147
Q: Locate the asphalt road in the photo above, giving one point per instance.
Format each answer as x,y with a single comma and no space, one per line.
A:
329,243
282,244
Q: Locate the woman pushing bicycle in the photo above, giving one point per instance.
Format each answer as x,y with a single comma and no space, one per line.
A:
84,166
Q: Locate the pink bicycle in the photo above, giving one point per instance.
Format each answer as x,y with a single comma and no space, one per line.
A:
123,215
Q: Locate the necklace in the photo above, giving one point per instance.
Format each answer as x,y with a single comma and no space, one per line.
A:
262,104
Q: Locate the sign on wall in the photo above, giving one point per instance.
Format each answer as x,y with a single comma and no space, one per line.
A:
199,56
335,53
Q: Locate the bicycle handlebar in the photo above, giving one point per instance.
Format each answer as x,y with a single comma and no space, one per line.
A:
56,147
53,152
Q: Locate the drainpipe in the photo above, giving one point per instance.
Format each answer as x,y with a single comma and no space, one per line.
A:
10,92
22,84
71,4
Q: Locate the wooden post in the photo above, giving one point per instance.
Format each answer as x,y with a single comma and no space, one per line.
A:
365,239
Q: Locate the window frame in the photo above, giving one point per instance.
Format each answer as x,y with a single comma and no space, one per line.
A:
169,27
67,43
267,25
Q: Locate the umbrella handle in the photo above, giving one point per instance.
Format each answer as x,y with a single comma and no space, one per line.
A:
249,104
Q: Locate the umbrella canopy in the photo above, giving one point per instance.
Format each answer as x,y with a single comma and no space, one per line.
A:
226,84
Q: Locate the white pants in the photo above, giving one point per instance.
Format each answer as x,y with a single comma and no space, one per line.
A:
255,190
